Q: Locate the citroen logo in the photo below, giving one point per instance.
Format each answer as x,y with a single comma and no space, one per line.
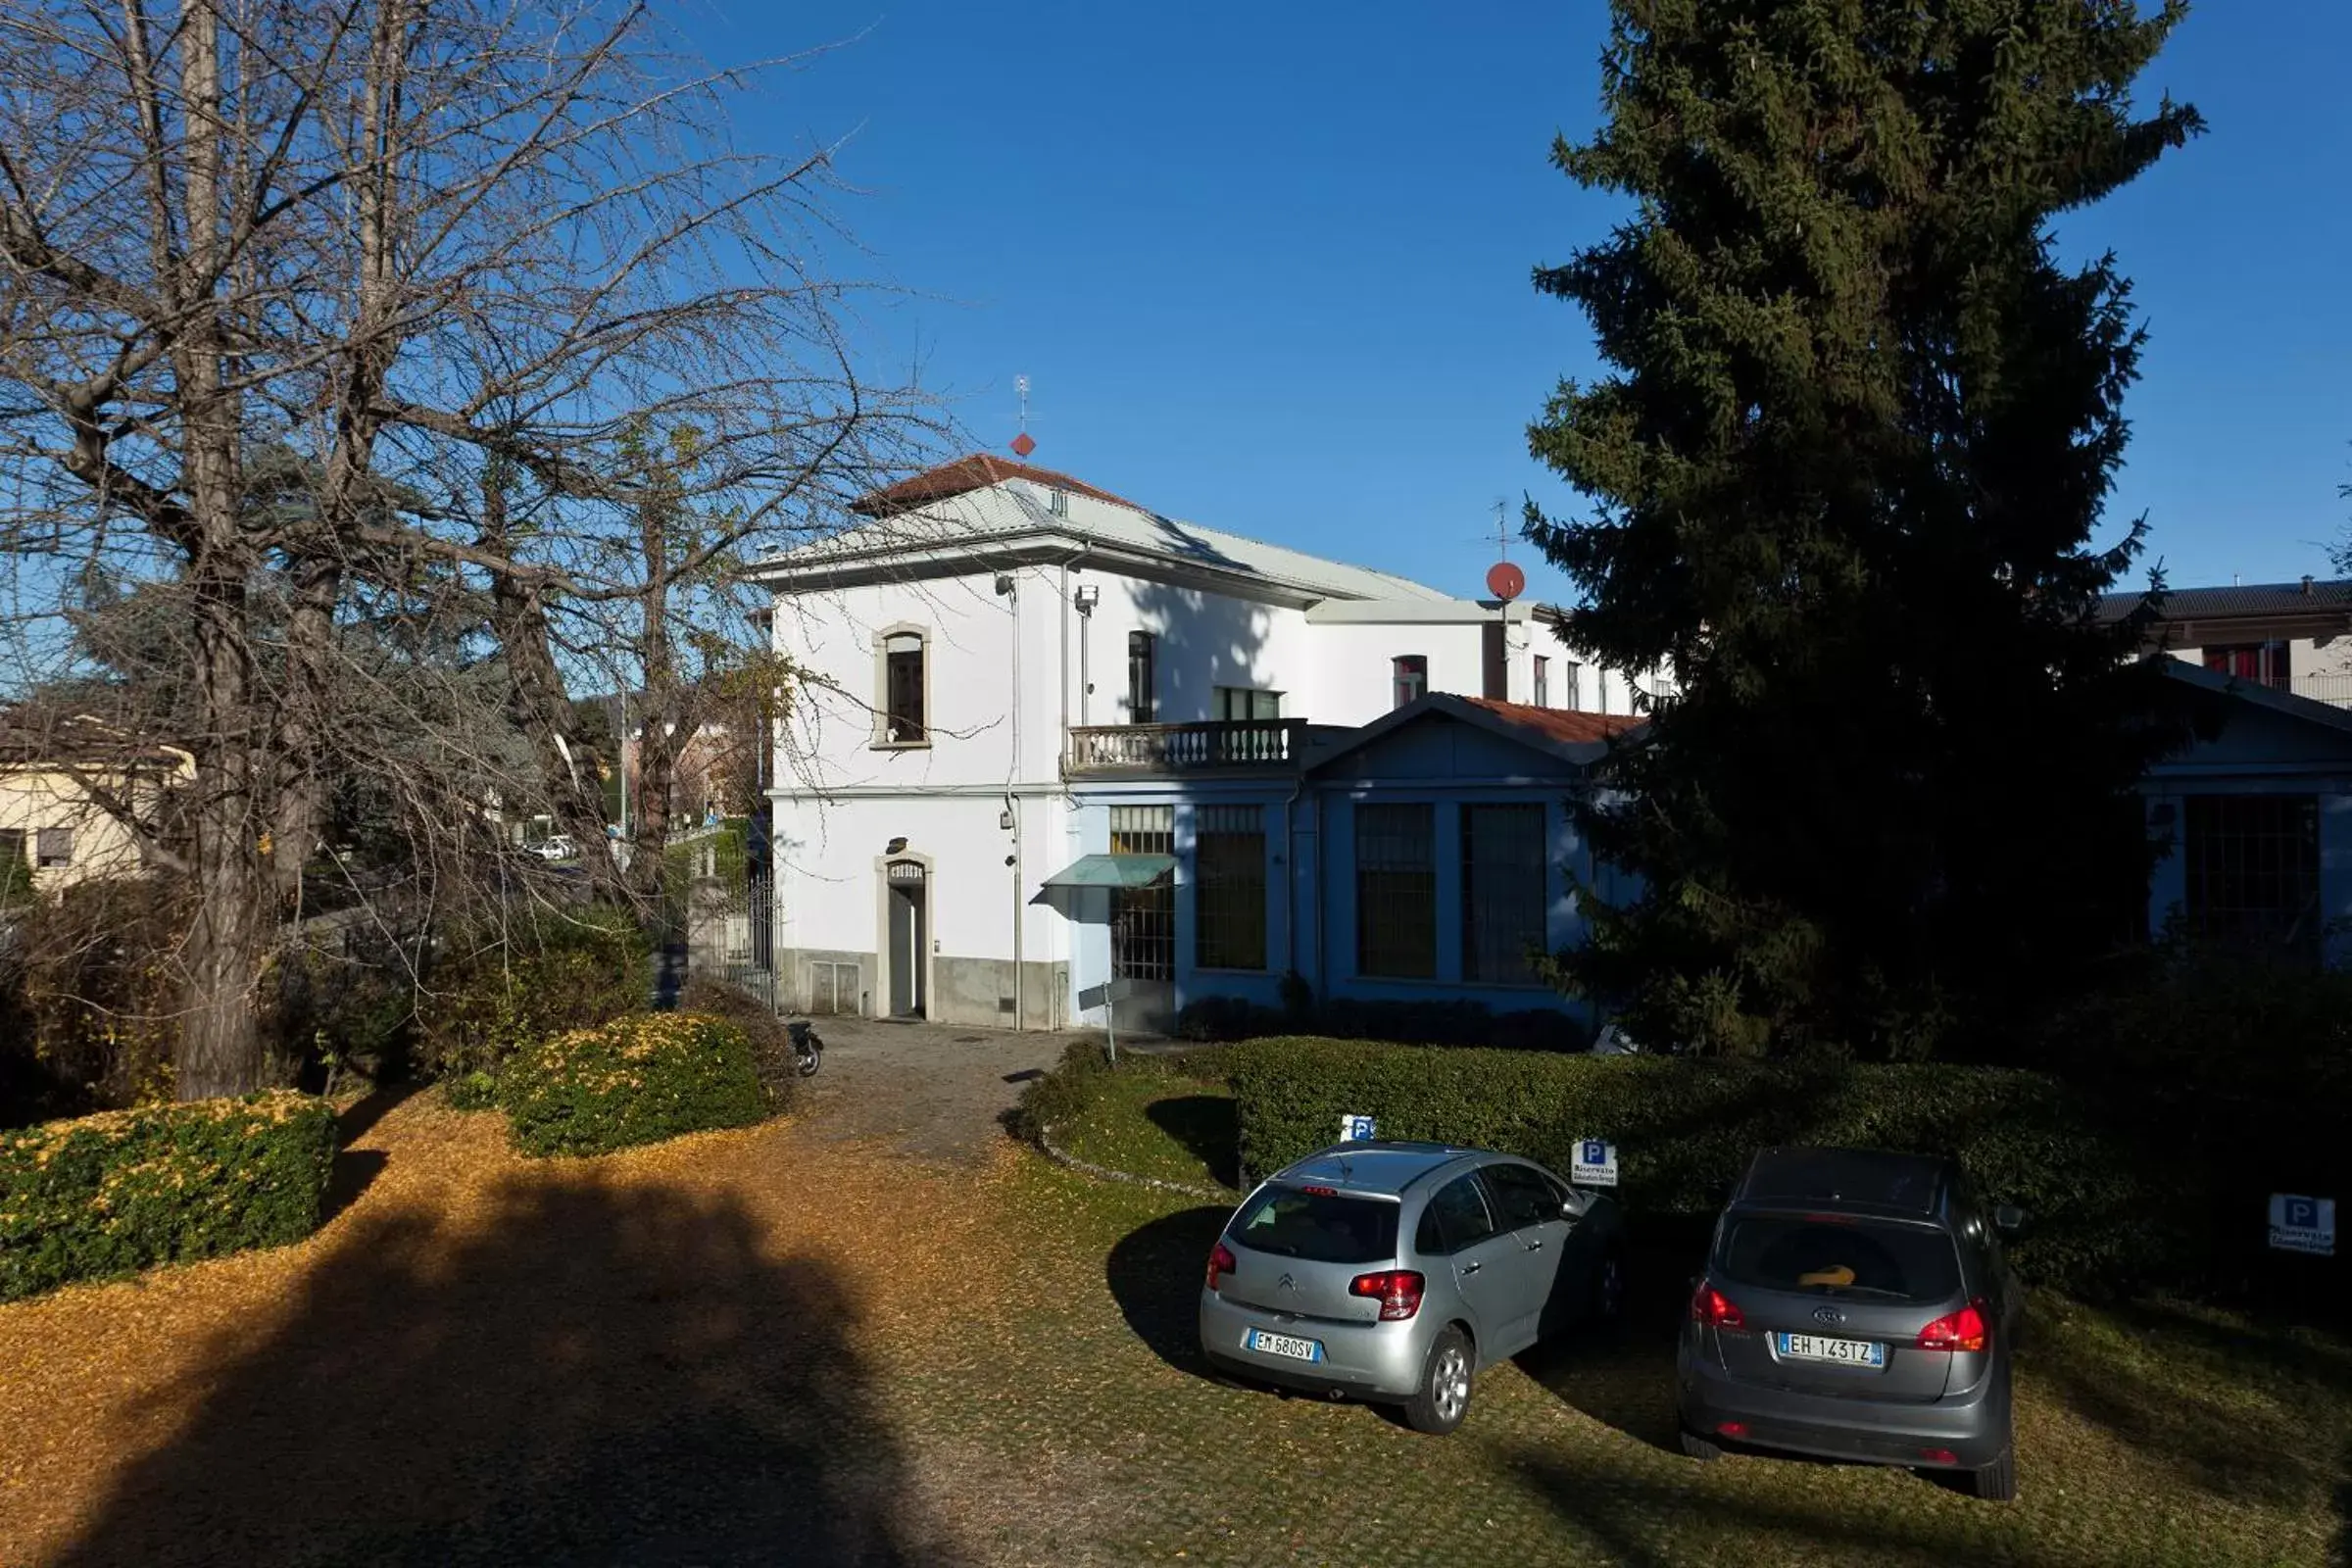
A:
1821,1314
1286,1283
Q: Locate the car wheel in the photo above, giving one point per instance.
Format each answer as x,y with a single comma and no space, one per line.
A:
1704,1450
1996,1482
1439,1405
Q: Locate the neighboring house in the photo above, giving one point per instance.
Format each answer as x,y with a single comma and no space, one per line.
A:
52,778
2258,813
2294,637
1008,670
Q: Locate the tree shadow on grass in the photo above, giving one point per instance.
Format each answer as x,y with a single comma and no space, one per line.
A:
1155,1275
1623,1376
595,1375
1209,1128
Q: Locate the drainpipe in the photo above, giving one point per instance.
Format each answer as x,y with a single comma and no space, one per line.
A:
1020,1022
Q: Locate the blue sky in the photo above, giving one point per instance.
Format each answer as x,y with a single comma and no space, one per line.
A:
1267,267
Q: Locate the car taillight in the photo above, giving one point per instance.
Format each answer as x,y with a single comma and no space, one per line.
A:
1964,1330
1715,1309
1398,1291
1221,1263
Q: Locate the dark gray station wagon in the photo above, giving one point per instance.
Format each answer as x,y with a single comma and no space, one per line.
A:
1856,1307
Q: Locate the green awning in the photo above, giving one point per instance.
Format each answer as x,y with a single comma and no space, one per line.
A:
1112,871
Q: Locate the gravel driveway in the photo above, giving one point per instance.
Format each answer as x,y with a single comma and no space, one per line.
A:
928,1090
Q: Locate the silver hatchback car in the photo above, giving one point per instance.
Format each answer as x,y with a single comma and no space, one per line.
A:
1393,1272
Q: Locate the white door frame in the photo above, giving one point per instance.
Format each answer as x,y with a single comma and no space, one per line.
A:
882,948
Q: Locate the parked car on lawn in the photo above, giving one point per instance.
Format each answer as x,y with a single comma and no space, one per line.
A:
1856,1307
562,847
1393,1272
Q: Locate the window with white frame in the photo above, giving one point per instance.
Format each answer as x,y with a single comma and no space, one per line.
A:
906,688
1573,680
1542,691
1229,887
1409,677
1143,679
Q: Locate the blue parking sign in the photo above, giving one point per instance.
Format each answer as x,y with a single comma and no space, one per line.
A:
2303,1224
1595,1163
1356,1129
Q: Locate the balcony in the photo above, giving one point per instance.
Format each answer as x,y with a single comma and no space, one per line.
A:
1143,751
2334,690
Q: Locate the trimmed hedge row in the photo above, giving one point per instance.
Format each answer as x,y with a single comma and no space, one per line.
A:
636,1080
108,1195
493,992
1686,1129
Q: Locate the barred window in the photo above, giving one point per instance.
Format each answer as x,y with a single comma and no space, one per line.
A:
2254,869
1397,891
1229,887
1143,920
1503,864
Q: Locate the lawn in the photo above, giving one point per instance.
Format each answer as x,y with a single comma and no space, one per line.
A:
1152,1118
773,1345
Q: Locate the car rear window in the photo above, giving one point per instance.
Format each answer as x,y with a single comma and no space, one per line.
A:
1835,1255
1320,1227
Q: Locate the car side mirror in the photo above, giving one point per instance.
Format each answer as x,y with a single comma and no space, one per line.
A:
2008,1219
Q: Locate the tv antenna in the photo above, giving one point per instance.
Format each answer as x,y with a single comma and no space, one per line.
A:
1023,443
1504,581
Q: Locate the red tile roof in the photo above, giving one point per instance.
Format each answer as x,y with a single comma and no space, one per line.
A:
964,475
1558,724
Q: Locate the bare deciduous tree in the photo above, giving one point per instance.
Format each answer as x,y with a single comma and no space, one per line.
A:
441,260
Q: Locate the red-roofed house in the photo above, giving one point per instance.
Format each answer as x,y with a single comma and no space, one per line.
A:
1048,737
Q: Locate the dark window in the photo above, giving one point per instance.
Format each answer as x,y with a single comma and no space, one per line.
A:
1411,672
55,846
2264,664
1142,709
1456,1218
1229,887
1856,1258
1494,661
1542,693
1143,920
904,723
1523,1195
1318,1227
1395,891
1239,705
1575,686
1503,865
2253,864
12,845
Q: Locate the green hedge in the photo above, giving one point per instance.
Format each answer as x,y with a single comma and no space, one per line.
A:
636,1080
495,990
1686,1129
107,1194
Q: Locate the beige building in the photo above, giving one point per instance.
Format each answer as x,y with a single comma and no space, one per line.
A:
52,779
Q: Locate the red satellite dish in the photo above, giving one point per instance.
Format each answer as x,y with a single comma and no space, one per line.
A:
1505,581
1022,446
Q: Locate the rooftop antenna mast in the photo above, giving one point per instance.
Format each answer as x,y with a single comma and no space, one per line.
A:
1504,581
1022,443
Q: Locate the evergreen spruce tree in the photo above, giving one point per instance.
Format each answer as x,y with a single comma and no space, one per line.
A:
1845,475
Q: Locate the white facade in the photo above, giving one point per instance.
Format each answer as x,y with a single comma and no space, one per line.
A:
907,867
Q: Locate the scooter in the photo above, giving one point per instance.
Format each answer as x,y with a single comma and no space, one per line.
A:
808,1050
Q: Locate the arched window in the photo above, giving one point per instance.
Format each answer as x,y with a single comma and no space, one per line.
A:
905,698
1411,671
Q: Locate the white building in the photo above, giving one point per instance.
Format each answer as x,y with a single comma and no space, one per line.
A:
996,635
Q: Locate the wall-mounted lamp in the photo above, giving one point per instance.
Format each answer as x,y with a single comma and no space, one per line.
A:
1004,583
895,846
1086,598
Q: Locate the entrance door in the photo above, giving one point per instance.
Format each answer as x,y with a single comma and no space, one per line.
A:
909,939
